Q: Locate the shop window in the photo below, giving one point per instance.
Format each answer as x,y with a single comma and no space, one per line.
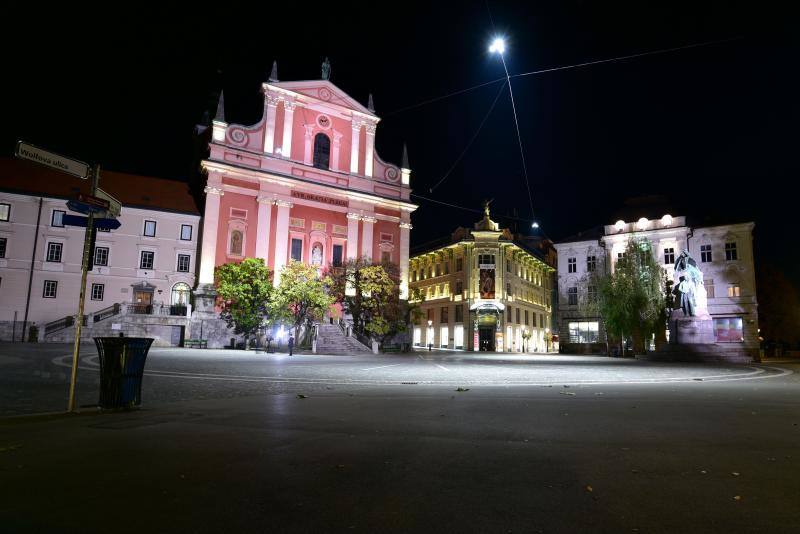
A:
728,330
583,332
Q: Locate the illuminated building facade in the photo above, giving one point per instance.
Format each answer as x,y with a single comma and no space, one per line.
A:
723,252
304,183
486,289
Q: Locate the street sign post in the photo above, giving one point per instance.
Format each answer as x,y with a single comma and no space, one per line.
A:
94,201
83,207
114,205
71,166
99,223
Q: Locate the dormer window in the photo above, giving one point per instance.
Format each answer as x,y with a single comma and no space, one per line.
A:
322,151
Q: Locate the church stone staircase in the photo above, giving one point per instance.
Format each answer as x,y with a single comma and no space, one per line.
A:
331,340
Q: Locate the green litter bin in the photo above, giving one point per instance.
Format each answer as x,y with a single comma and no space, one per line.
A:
122,362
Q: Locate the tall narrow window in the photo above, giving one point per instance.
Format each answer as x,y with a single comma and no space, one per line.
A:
2,247
386,256
591,264
337,255
459,287
572,265
98,290
591,294
57,219
150,228
459,265
50,289
297,249
705,253
730,252
186,232
709,283
146,259
5,212
54,252
322,151
572,296
101,256
183,263
669,256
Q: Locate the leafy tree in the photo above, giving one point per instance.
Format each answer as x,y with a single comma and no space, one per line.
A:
244,291
778,307
370,293
301,297
632,299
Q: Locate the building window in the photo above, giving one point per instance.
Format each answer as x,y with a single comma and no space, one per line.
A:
459,265
733,291
386,256
508,291
150,228
669,256
50,289
509,314
237,240
591,294
180,294
447,267
430,313
709,283
572,265
705,253
54,252
57,218
322,151
591,264
508,266
101,256
459,287
146,259
728,330
620,256
527,318
730,252
583,332
459,314
572,296
517,316
486,259
337,256
297,249
2,247
183,263
5,212
438,270
186,232
445,315
541,320
97,291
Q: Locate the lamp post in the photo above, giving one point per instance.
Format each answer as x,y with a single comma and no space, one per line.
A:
547,339
430,335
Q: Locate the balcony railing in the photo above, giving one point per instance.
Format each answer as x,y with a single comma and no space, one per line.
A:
174,310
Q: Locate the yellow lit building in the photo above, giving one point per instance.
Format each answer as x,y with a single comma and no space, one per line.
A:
486,289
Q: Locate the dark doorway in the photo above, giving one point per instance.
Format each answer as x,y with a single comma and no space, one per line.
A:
486,338
177,336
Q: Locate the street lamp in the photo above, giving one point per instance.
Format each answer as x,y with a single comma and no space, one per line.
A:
430,335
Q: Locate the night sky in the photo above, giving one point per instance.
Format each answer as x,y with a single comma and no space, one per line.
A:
714,128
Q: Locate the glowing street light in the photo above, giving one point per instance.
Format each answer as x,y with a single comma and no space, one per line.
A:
535,225
498,46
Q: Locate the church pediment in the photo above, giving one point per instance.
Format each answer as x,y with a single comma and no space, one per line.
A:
324,91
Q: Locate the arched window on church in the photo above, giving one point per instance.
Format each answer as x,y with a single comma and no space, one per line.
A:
322,151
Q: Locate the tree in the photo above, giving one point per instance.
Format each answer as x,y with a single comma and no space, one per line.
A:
301,297
370,293
244,291
631,300
778,307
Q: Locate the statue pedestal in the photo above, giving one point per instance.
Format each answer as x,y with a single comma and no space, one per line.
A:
691,330
205,297
205,322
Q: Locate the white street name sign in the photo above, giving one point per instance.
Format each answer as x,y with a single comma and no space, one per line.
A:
67,165
115,206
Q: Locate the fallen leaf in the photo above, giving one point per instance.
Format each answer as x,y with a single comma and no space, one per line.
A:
301,396
589,489
462,389
735,474
703,472
737,498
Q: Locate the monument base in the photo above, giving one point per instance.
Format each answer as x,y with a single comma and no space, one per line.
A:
205,322
692,339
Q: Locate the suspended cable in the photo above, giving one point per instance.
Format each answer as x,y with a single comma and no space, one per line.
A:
472,140
436,99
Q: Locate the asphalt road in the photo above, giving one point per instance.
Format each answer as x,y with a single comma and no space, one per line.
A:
389,444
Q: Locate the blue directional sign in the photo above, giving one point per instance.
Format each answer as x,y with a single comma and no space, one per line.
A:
77,220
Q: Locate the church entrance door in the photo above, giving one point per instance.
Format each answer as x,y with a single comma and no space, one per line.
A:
486,338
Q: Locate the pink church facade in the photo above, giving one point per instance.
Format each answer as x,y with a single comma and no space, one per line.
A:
304,183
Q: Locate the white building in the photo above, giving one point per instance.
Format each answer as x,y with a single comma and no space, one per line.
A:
724,254
143,273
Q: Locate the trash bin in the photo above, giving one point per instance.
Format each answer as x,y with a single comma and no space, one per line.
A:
121,369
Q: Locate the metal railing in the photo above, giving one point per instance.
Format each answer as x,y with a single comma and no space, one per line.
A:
61,324
175,310
105,313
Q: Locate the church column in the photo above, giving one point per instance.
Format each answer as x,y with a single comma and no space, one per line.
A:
369,150
288,122
337,145
366,235
281,237
210,230
405,231
352,235
307,150
269,136
354,149
262,231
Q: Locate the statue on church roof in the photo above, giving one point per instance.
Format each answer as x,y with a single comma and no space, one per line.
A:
326,69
